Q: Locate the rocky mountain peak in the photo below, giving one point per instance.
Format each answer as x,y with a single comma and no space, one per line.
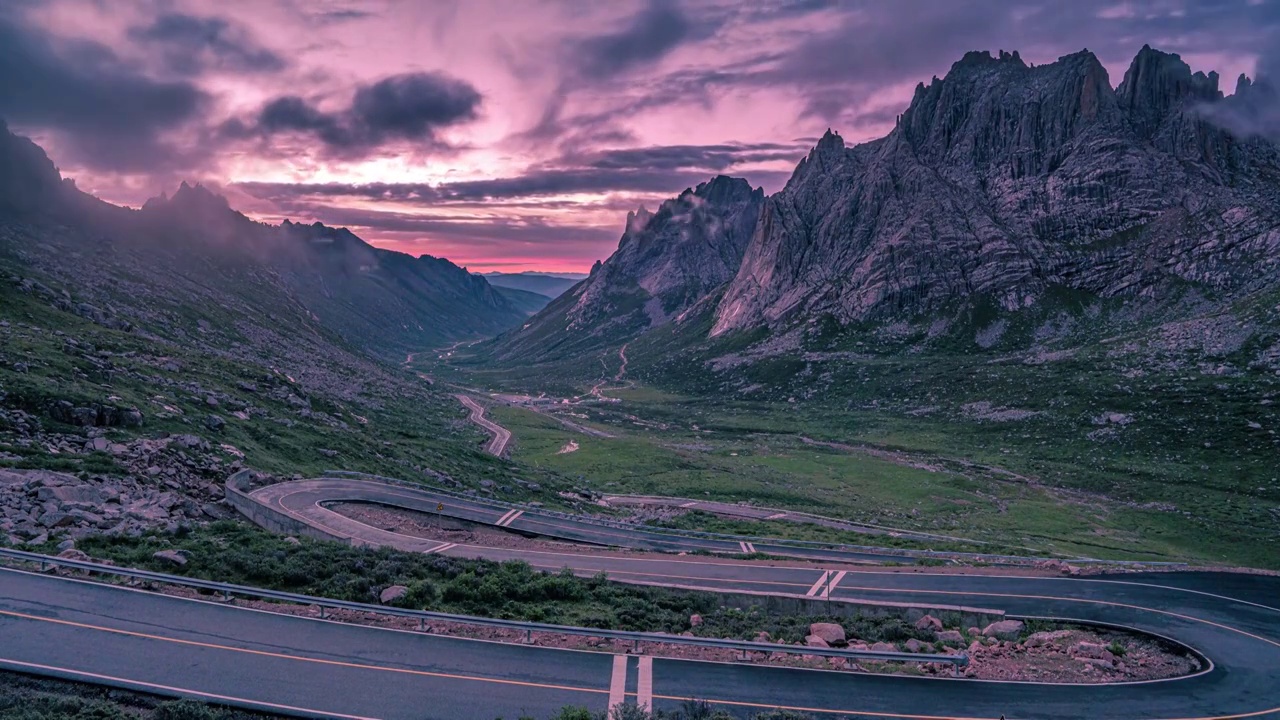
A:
637,220
197,196
1156,83
1000,109
724,189
984,58
1002,181
29,181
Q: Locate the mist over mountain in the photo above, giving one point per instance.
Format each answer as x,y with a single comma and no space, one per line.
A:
381,302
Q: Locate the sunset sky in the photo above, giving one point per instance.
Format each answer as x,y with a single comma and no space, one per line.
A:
516,134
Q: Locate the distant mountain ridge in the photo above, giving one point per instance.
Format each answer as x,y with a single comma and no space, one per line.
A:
551,285
1004,191
381,301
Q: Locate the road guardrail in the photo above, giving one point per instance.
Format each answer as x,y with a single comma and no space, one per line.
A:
228,590
720,537
619,525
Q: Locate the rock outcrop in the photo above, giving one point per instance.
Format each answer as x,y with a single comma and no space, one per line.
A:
666,262
1002,182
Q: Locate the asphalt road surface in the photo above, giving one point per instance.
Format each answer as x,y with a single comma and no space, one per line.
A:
55,625
305,500
497,445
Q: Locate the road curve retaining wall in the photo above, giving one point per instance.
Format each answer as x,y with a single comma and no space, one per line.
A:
277,522
267,518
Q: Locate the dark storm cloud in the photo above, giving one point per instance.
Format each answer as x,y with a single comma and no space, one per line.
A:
661,170
648,36
657,30
412,106
106,114
191,45
862,48
874,48
527,229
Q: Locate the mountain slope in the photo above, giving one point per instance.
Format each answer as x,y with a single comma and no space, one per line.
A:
524,300
1011,207
552,286
666,262
1002,182
381,301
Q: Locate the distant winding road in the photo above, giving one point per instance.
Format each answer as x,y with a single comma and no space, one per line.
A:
307,666
501,436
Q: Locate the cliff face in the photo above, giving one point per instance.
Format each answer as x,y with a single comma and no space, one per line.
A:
666,262
1003,181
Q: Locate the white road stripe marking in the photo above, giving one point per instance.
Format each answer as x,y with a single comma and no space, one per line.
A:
690,504
618,683
441,548
644,686
506,522
751,547
743,545
817,586
504,518
835,582
177,690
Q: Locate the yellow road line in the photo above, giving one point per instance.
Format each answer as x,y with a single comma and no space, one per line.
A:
1091,601
910,716
550,686
180,691
318,661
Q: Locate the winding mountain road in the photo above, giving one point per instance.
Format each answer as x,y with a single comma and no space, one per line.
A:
501,436
59,626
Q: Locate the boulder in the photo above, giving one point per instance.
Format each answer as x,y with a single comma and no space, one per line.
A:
763,637
73,554
929,622
815,641
56,519
831,633
883,647
1004,629
695,620
98,444
173,557
1045,638
951,636
214,422
915,646
393,593
85,494
1091,650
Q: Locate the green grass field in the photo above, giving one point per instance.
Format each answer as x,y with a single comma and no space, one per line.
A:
914,475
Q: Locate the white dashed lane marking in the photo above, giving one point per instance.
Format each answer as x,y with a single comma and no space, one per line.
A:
618,683
819,585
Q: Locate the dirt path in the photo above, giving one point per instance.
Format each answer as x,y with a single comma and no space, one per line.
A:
501,436
598,388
